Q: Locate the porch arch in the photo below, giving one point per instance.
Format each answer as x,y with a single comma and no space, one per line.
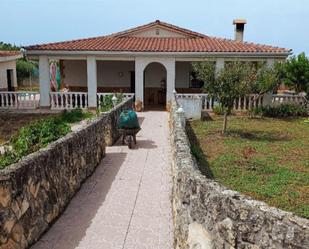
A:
155,74
141,63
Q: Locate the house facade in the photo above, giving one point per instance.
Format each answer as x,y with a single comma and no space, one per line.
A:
150,61
8,79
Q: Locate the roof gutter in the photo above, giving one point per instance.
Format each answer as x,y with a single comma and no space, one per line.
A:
176,54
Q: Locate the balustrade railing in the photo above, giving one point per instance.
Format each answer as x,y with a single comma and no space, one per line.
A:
101,96
244,103
68,100
19,100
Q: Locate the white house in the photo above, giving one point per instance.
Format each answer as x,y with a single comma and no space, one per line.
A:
150,60
8,79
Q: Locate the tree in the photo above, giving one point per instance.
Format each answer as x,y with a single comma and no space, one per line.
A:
266,79
227,85
24,68
295,72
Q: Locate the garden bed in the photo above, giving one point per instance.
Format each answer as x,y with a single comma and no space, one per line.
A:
267,159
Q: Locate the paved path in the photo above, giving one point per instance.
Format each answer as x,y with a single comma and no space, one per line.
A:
126,203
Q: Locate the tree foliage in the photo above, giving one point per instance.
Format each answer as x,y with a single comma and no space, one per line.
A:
295,72
226,85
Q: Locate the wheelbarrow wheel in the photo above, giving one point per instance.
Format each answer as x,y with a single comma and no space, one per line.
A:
129,141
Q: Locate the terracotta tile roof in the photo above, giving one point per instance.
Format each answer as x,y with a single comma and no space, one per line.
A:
9,53
126,42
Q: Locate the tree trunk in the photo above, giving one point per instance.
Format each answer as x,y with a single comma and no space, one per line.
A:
224,123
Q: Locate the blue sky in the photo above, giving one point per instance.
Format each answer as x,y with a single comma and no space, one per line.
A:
283,23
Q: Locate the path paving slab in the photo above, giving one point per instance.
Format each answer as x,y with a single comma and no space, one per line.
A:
126,203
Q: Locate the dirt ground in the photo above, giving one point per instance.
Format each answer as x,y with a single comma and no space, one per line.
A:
11,122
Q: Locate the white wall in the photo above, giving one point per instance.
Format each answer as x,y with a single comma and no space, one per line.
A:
114,73
4,66
75,72
109,73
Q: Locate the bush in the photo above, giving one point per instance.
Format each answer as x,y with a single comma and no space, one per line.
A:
106,102
39,134
281,111
218,110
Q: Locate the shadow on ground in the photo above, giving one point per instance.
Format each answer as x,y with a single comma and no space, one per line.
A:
83,207
198,153
263,136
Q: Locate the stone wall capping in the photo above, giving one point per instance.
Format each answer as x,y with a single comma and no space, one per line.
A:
209,215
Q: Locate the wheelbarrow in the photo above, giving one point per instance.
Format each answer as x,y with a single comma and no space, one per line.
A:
129,136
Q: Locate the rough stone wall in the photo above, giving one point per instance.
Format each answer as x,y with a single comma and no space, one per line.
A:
34,191
207,215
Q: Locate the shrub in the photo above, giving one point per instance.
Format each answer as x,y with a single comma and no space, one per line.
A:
218,110
281,111
106,102
39,134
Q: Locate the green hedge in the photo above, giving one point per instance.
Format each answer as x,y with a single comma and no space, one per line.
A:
282,111
39,134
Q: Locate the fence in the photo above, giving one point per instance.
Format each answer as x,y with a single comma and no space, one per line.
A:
19,100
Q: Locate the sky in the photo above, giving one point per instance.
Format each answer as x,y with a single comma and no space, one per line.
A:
283,23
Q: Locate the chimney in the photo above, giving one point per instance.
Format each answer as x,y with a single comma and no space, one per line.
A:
239,29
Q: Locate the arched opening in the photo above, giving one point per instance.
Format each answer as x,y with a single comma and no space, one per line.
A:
155,85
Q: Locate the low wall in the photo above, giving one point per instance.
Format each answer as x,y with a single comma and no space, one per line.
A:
207,215
34,191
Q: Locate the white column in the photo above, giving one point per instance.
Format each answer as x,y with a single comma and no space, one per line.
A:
219,64
139,80
44,81
170,81
92,81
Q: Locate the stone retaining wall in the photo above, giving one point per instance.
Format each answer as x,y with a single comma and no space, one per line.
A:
34,191
207,215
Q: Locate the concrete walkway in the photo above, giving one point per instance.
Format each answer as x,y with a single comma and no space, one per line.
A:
126,203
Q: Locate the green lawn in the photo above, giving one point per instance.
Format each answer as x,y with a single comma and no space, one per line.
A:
267,159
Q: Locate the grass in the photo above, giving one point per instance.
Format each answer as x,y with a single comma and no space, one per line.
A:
39,134
267,159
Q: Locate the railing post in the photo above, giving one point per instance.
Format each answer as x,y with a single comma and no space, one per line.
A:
181,116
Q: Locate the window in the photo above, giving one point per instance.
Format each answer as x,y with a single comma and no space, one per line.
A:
194,81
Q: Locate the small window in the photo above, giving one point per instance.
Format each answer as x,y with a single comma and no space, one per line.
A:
194,81
157,31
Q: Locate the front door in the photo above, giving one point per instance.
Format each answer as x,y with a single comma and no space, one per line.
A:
9,75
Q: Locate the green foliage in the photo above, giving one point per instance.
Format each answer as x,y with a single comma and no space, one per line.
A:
230,83
218,110
205,71
24,68
106,102
39,134
266,80
282,111
8,46
295,72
